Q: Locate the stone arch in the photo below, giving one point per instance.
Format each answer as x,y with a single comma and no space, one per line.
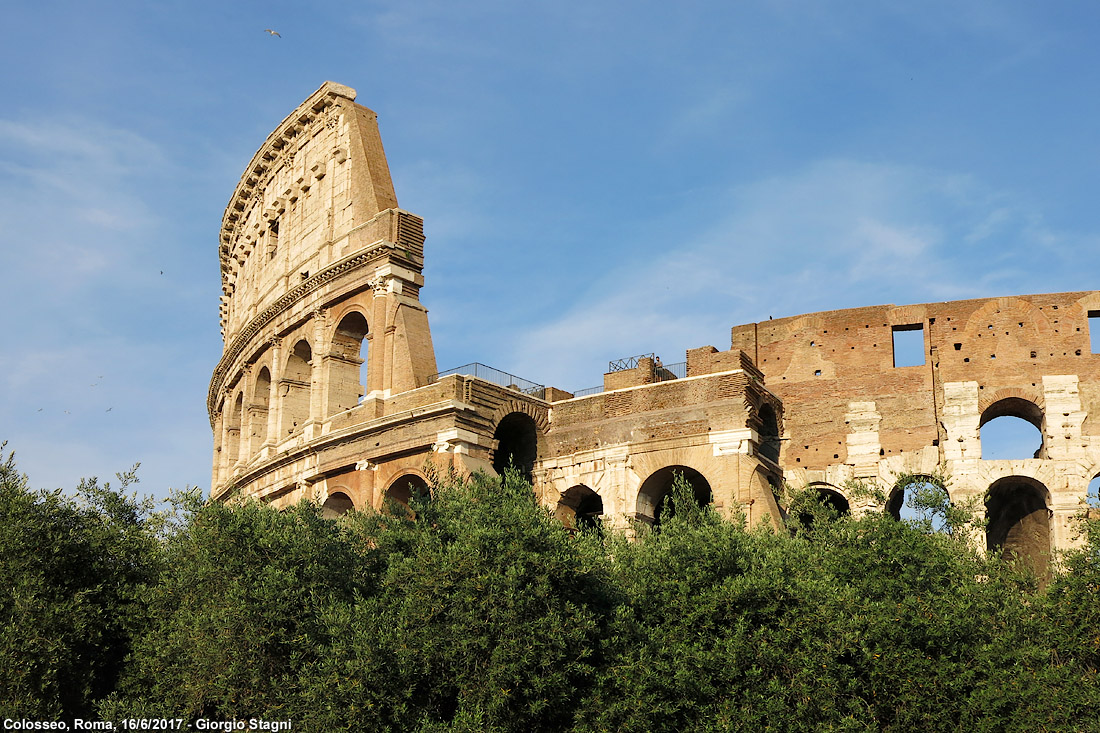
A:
537,414
1013,403
407,485
517,437
258,413
579,508
346,378
1018,514
812,323
234,438
337,504
295,388
832,496
1011,396
654,489
765,488
895,502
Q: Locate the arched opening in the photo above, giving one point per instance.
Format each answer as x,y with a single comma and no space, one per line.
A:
1011,428
769,434
920,499
1092,496
261,399
818,500
1019,522
296,388
220,454
347,376
405,487
337,504
833,499
233,430
651,495
580,508
517,444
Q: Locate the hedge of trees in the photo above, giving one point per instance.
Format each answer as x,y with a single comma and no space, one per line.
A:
476,611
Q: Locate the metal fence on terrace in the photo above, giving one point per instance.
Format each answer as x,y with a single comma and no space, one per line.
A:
496,376
630,362
665,372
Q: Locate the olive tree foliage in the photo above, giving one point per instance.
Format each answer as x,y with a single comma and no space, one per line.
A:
866,624
484,616
239,612
473,609
75,570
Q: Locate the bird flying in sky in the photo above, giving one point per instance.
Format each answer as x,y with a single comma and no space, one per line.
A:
274,33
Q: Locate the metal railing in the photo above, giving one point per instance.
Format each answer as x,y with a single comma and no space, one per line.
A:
589,391
630,362
666,372
496,376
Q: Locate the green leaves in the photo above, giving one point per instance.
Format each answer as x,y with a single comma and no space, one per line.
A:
472,609
74,572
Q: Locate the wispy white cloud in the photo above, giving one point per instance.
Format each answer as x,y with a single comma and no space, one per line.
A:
837,233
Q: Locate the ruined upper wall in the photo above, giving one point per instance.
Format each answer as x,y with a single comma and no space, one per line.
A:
820,364
321,174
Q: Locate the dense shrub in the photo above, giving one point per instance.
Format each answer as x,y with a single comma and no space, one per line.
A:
74,571
473,609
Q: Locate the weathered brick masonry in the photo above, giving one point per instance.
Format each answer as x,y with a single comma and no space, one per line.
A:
328,387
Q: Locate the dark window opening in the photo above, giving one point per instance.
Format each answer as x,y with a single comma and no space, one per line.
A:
908,345
769,434
272,238
517,444
1019,522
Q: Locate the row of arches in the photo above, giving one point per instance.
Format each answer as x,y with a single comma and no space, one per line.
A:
401,490
1017,508
292,387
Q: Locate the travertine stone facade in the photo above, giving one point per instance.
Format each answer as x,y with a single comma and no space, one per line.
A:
328,387
849,412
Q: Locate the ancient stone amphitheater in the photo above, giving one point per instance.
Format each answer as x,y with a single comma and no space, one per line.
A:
328,386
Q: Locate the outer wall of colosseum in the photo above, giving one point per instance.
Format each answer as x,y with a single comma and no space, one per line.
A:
850,413
328,389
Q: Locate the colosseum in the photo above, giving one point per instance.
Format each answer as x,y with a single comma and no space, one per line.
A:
328,387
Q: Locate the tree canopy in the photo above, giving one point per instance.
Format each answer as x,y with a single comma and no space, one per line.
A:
473,609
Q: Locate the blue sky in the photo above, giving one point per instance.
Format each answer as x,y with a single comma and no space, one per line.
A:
598,179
